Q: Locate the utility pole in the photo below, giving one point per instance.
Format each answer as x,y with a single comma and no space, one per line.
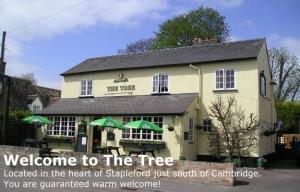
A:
5,85
2,64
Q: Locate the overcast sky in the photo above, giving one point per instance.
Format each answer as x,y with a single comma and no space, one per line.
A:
47,37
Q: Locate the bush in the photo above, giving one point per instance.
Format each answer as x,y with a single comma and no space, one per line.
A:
16,130
288,113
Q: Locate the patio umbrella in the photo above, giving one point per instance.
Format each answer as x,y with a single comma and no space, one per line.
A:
108,122
144,125
37,120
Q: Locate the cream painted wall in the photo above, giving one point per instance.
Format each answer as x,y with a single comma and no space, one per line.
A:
189,149
267,109
181,81
184,79
245,93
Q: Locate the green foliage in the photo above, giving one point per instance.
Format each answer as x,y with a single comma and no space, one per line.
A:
204,23
17,115
16,130
236,161
289,114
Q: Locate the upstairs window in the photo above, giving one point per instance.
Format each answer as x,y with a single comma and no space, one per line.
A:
160,83
263,84
36,108
86,87
225,79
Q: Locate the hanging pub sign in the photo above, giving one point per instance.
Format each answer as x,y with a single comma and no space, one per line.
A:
120,88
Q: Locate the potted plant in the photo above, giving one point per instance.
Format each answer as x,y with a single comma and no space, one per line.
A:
171,128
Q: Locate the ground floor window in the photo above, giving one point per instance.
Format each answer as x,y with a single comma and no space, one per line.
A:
142,134
207,125
62,126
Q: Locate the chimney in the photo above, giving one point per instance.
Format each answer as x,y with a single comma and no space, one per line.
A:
199,41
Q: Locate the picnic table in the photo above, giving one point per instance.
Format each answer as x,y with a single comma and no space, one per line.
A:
47,152
106,150
34,143
141,152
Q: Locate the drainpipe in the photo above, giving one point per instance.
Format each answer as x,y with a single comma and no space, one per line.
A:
199,100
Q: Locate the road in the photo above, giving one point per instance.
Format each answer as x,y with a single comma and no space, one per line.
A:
270,180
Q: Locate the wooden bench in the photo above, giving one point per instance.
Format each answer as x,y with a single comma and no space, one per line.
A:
141,152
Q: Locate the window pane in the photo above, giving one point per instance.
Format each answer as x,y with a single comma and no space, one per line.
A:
229,79
219,79
155,82
163,83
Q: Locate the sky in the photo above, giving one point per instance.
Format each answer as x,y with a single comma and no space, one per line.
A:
48,37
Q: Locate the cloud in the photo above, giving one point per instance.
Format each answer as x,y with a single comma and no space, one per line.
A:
234,38
225,4
292,43
31,20
249,24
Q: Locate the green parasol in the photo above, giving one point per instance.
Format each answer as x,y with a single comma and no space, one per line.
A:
35,119
144,125
108,122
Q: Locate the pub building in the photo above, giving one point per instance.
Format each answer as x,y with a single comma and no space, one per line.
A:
172,88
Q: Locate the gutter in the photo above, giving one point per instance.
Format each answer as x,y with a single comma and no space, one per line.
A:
199,101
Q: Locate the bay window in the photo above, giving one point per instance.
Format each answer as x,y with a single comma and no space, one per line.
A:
138,134
62,126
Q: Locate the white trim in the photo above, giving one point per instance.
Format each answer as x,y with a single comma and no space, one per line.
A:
86,88
224,80
159,81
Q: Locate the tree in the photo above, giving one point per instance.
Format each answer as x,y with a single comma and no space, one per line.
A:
289,113
30,77
233,134
139,46
204,23
285,72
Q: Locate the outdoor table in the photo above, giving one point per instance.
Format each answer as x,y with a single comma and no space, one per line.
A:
141,152
30,142
102,150
41,143
106,150
110,148
47,152
34,143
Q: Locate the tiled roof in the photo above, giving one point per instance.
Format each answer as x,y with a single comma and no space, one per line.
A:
176,56
122,105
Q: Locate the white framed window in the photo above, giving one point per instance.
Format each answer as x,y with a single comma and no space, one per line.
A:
225,79
191,130
207,125
137,134
62,126
160,83
36,108
220,79
86,88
